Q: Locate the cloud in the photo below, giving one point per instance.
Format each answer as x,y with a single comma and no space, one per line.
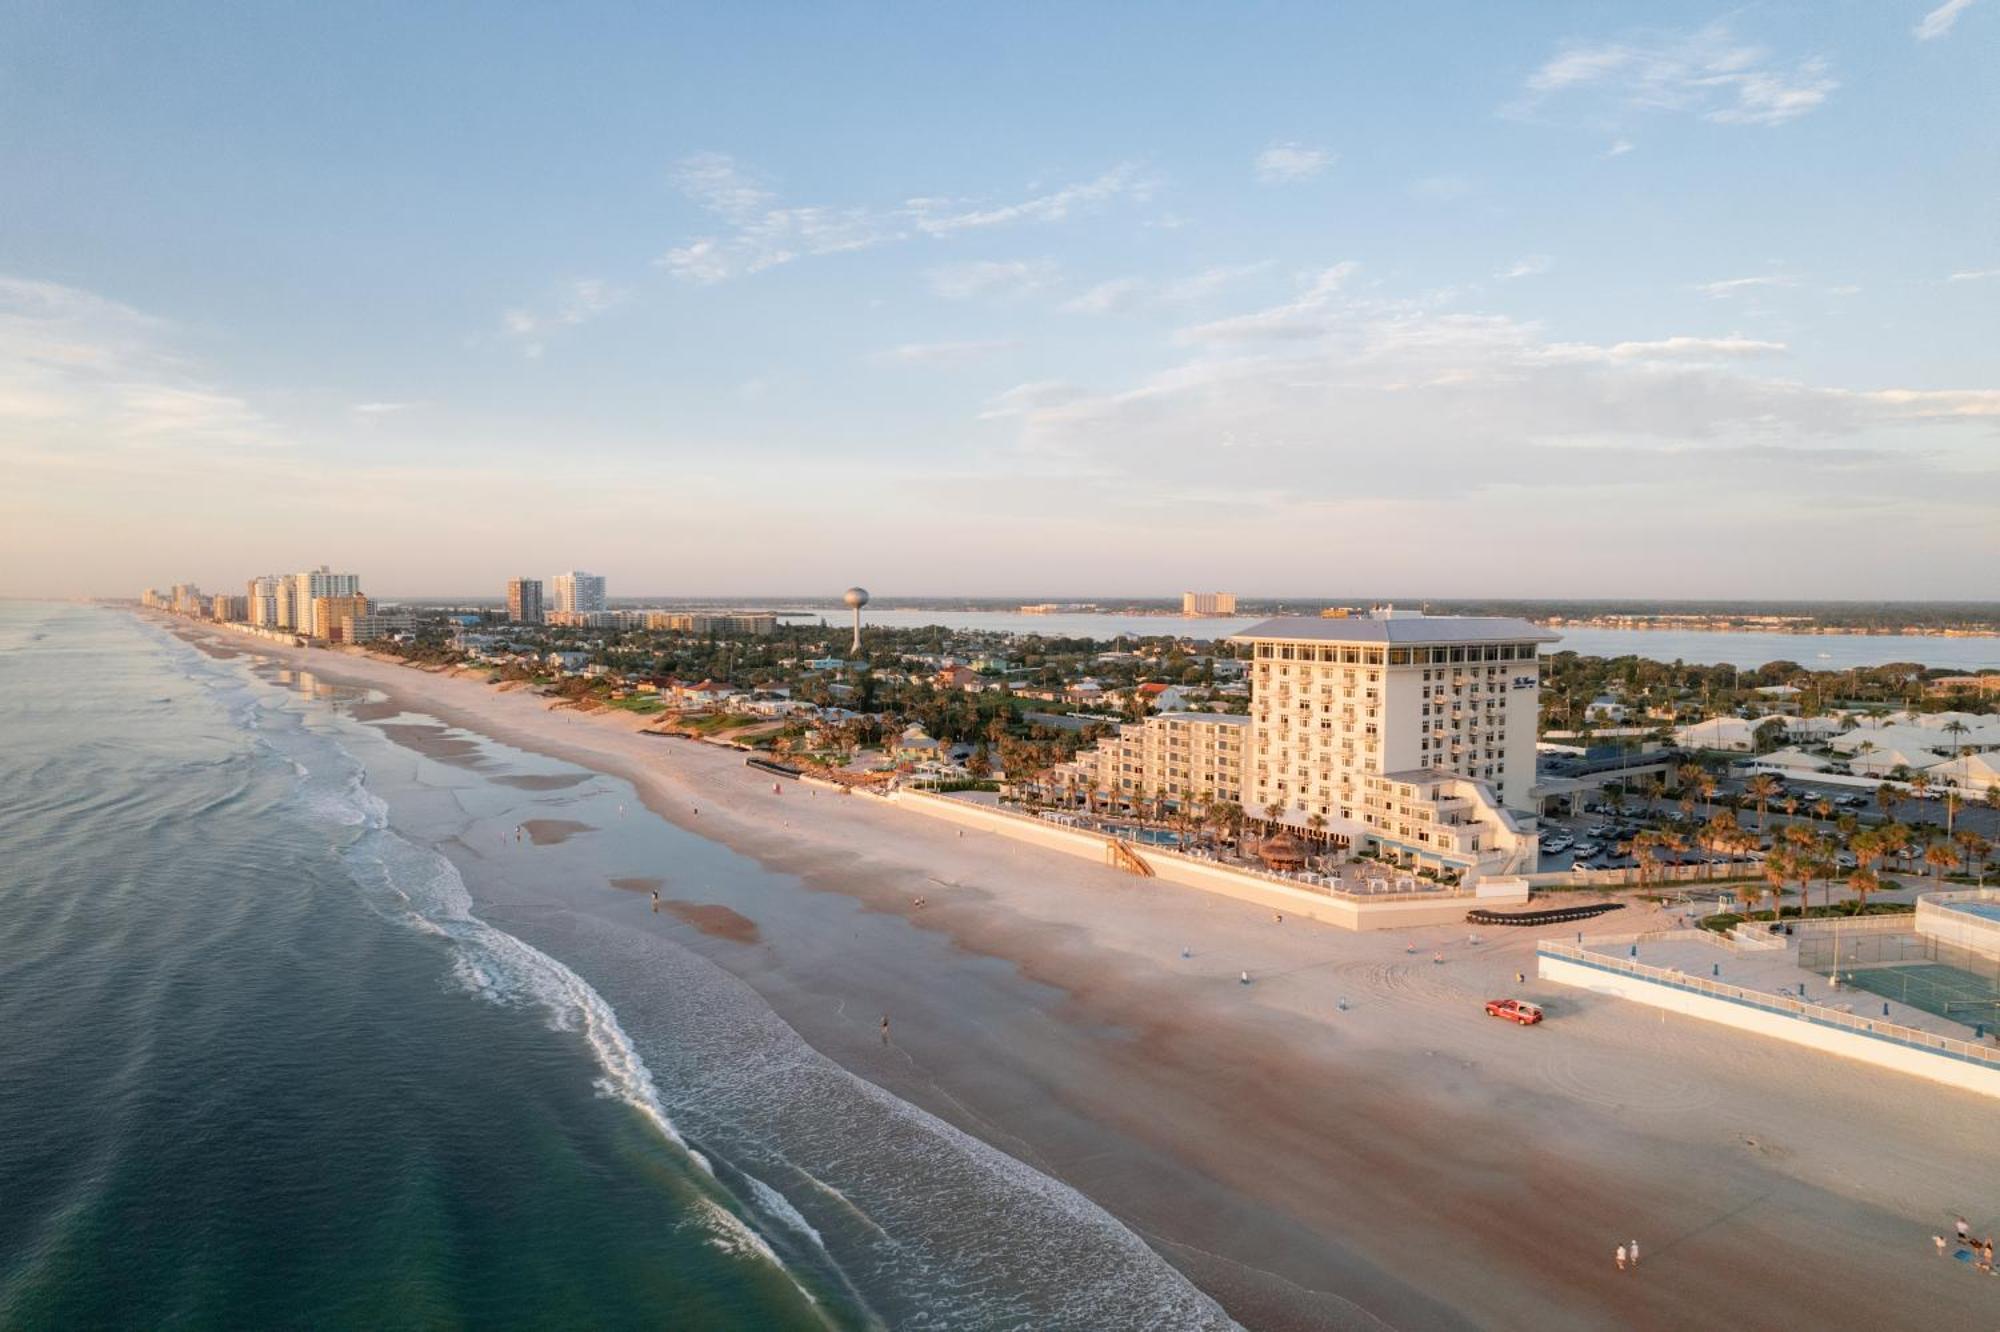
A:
382,408
1940,20
82,373
936,217
1285,163
1533,265
1974,275
1677,348
1706,73
1123,295
932,353
1339,411
1727,287
574,302
1305,316
1620,147
1025,398
991,277
759,233
1114,297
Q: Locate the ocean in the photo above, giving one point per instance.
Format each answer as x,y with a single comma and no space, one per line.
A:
299,1027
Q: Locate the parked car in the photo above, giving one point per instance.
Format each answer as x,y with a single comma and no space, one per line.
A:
1515,1010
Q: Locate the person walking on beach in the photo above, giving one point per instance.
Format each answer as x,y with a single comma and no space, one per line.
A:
1633,1247
1621,1257
885,1029
1964,1231
1939,1241
656,901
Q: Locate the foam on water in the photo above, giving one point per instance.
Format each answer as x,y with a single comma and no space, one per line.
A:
963,1233
423,890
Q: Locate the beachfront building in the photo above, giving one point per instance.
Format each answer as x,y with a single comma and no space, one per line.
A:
333,617
226,609
524,600
1407,733
1171,759
266,596
308,589
1208,603
579,593
757,623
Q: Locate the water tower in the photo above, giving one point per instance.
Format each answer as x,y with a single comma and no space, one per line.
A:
855,597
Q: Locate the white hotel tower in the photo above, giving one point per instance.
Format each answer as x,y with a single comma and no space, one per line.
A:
1410,732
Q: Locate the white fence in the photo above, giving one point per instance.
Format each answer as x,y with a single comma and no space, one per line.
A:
1943,1059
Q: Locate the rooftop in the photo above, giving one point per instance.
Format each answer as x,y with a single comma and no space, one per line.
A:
1397,629
1223,718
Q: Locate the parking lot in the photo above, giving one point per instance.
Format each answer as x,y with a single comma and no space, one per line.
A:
1594,837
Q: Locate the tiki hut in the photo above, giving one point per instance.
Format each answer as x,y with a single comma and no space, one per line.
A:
1281,851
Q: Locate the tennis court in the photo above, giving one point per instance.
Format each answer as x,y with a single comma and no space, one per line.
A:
1913,969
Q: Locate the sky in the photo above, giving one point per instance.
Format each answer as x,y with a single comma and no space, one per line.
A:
1654,300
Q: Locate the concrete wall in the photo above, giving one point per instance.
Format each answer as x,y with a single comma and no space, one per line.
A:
1962,929
1270,894
1880,1050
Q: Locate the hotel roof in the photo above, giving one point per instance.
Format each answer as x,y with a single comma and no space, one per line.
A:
1397,629
1224,718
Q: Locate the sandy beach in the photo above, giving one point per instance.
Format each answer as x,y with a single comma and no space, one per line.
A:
1347,1140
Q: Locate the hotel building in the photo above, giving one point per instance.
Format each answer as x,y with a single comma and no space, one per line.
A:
577,592
333,617
1174,757
1208,603
267,596
308,589
713,622
524,600
1411,733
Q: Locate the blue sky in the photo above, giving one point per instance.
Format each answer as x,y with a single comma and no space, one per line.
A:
1452,299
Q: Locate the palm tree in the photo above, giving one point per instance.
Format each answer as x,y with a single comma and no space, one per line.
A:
1888,797
1975,849
1646,850
1941,856
1863,881
1894,838
1920,784
1777,872
1651,788
1761,788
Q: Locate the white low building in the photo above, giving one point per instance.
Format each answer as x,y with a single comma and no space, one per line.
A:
1972,773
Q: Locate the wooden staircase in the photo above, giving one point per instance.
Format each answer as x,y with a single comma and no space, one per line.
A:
1120,856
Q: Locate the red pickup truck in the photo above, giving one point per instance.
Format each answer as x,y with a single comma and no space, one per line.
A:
1514,1010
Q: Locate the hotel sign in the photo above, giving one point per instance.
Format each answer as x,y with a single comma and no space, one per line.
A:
1524,682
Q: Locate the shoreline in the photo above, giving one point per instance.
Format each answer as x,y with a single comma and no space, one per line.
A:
1286,1162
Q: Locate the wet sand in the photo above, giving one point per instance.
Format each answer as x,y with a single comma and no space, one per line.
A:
640,884
529,781
1406,1157
717,922
554,832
